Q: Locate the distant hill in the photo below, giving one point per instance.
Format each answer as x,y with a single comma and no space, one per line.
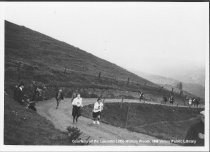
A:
193,88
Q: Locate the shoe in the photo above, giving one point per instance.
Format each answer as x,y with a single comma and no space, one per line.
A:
94,122
98,122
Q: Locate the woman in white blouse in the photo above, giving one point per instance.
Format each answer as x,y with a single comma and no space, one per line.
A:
98,107
77,104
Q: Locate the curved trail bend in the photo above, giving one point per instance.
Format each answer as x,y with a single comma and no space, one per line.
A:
61,119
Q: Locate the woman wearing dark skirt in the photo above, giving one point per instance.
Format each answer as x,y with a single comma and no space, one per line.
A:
98,107
76,111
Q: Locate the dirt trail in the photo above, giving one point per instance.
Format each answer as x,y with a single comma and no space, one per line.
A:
61,118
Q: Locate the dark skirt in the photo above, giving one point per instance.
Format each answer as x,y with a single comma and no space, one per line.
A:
96,114
76,111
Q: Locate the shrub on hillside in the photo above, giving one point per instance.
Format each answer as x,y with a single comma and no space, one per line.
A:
74,135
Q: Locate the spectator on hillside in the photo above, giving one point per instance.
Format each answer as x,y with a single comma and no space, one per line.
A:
98,107
59,97
20,94
196,132
35,93
76,110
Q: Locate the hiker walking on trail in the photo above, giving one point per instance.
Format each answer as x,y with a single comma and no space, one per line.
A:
77,104
98,107
171,99
141,94
190,102
59,97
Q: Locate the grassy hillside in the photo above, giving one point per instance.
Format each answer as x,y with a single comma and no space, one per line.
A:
41,56
156,120
25,127
32,56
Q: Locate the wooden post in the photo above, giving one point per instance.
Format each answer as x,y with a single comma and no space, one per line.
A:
99,75
128,80
127,115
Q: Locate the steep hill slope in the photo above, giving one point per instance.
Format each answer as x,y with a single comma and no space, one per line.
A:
32,56
38,50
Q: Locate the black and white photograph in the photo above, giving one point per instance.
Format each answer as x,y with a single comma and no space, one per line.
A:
104,76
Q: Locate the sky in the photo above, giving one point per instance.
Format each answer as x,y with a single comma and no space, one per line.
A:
148,37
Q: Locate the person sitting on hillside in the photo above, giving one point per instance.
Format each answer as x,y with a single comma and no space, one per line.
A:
98,107
19,94
30,104
76,111
196,132
59,97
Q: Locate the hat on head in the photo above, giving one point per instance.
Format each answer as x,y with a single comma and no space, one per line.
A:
98,99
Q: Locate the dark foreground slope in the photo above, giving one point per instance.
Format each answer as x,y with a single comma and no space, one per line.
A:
25,127
163,122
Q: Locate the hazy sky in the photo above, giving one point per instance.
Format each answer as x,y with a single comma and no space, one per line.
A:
148,37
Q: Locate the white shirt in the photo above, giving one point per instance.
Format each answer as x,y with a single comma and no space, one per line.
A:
98,107
77,102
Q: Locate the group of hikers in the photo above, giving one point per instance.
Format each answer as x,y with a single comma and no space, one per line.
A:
192,101
171,99
76,102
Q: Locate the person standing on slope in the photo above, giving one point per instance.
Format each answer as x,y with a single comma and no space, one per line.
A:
59,97
19,94
98,107
77,104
